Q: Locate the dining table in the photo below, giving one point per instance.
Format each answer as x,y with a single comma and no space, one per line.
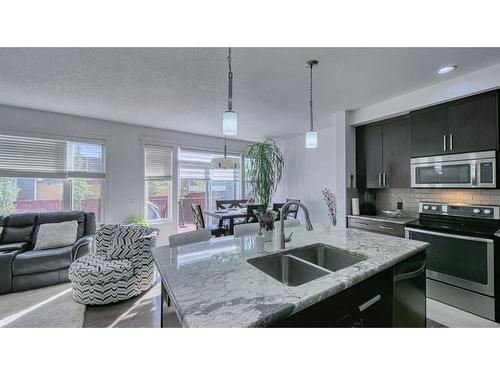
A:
229,214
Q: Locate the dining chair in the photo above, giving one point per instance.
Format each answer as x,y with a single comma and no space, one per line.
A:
293,209
199,221
250,216
253,228
243,229
277,207
292,223
234,203
186,238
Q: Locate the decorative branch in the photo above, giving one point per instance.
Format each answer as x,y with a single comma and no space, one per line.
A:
331,203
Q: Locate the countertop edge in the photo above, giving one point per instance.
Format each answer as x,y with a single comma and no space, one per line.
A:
400,220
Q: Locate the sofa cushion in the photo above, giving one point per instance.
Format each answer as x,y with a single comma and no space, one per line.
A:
42,261
52,235
13,246
59,217
18,228
95,269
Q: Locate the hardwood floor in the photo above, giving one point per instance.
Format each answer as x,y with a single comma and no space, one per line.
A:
140,312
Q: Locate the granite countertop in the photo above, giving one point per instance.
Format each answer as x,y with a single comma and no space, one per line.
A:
211,284
386,219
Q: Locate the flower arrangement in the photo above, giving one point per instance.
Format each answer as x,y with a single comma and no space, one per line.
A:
331,203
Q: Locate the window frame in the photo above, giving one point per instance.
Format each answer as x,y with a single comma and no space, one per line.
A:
170,219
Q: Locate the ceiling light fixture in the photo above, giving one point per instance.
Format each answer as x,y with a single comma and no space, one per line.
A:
229,118
446,69
225,162
311,135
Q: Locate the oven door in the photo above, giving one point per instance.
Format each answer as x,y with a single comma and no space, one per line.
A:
448,174
462,261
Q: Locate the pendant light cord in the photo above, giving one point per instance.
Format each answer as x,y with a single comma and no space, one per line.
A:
311,95
230,82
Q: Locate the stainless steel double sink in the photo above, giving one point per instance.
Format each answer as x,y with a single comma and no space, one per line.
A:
304,264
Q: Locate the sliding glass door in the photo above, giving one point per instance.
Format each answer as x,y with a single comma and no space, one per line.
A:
200,184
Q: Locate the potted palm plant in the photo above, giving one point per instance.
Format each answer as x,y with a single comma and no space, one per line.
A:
264,165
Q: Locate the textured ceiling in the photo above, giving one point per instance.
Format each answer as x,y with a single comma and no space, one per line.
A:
185,88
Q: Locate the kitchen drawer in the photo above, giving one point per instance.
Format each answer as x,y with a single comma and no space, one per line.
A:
376,226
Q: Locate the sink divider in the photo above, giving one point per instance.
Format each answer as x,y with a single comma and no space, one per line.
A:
308,263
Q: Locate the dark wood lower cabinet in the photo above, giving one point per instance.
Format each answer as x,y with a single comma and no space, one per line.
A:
367,304
392,298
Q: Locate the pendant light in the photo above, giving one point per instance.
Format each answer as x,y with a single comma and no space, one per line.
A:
225,162
311,135
229,118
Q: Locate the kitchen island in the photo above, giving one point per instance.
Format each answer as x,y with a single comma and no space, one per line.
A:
213,284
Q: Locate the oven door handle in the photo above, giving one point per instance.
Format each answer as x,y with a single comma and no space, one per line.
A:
410,275
441,234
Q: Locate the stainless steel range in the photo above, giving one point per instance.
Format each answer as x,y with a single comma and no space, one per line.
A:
461,258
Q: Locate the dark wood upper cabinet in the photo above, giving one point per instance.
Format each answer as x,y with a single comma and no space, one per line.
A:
473,124
383,154
428,130
369,156
464,125
396,152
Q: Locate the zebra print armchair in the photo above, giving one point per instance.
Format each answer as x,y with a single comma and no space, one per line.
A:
122,266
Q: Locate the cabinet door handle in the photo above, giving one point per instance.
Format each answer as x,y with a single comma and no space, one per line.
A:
370,302
383,179
384,227
359,222
380,179
444,142
451,142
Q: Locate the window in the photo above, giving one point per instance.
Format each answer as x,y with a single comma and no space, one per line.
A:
249,190
158,182
200,184
42,175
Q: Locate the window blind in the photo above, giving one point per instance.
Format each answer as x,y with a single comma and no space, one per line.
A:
197,165
50,158
158,162
32,157
86,160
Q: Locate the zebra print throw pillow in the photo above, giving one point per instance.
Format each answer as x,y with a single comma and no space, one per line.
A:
124,243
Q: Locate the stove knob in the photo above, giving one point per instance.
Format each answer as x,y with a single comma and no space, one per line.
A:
476,210
434,208
487,211
426,207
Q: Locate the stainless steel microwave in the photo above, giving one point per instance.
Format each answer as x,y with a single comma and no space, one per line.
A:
471,170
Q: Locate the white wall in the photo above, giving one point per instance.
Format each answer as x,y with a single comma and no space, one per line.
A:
468,84
124,161
309,171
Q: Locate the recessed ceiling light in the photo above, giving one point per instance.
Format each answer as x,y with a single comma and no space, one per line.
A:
446,69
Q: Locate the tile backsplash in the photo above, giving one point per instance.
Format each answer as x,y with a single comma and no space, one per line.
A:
387,198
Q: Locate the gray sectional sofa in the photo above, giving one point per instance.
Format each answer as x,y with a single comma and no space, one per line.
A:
22,267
